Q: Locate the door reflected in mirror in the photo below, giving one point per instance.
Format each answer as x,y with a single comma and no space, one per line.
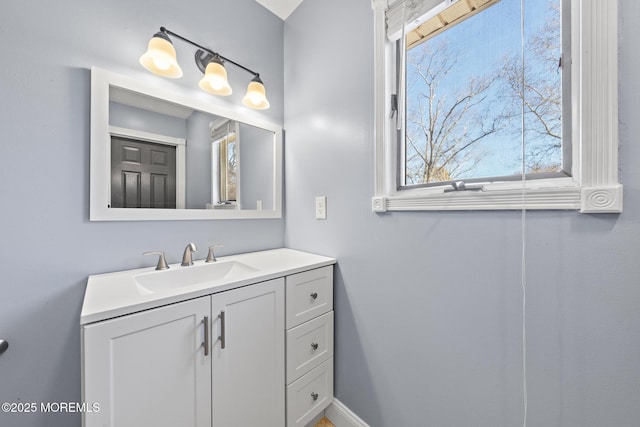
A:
171,157
152,142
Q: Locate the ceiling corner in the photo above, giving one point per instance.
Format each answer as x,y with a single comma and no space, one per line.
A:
281,8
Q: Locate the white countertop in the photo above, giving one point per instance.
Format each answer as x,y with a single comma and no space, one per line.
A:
115,294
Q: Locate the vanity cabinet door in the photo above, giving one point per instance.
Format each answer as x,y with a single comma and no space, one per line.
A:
248,356
149,368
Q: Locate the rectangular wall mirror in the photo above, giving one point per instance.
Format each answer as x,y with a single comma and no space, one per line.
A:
157,154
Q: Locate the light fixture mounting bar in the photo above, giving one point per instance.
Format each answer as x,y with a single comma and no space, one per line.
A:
214,54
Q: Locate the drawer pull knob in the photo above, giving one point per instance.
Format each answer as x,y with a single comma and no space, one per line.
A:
314,295
314,396
314,346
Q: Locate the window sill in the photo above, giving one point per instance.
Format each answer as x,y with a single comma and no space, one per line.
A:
586,200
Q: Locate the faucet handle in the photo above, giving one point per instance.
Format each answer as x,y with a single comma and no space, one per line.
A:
211,257
162,261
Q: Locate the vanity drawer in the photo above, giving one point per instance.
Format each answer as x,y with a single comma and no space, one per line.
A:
308,295
308,345
310,395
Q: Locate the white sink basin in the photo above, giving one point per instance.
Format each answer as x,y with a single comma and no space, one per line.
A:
179,277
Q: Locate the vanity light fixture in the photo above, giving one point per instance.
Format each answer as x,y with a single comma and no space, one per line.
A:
160,58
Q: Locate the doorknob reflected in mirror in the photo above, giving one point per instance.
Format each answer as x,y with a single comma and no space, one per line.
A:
3,346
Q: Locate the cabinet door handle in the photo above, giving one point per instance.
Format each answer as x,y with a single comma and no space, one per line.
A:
314,346
314,396
206,335
314,295
221,337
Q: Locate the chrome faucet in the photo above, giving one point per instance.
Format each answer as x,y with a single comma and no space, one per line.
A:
187,255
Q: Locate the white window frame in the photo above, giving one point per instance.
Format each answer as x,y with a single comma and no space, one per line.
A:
217,165
593,186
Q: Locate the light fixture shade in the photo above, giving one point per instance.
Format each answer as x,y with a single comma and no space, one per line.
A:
160,57
215,79
256,96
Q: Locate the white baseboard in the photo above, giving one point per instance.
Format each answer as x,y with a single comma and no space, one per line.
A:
342,416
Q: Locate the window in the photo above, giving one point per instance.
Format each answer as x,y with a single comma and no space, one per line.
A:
224,163
464,96
468,76
228,166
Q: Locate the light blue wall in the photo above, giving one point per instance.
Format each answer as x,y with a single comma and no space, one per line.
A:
256,167
48,246
428,305
128,117
198,154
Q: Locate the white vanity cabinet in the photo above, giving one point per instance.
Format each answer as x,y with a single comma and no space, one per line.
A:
155,368
245,341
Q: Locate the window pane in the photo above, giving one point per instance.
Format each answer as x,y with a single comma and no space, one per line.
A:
231,170
466,90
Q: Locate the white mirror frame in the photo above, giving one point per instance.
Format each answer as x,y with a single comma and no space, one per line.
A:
100,162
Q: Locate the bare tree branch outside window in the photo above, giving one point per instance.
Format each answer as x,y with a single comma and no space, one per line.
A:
456,117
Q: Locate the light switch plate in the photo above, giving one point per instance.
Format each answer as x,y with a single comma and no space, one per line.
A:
321,207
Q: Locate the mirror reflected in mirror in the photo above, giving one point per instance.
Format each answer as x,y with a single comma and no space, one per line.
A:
161,155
